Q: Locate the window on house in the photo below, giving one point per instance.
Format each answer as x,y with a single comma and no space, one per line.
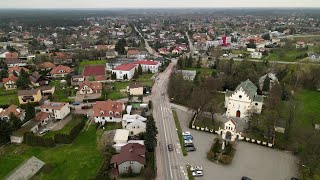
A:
256,104
131,162
240,96
110,118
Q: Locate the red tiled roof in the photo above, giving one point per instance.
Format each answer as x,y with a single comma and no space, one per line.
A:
17,69
130,152
92,85
10,78
41,116
53,105
47,65
60,67
97,70
102,109
12,109
11,55
133,52
146,62
125,67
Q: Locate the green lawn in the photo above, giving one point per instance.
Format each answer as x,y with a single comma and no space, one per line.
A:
308,104
62,91
203,71
112,126
90,62
290,55
66,129
207,122
79,160
8,97
145,79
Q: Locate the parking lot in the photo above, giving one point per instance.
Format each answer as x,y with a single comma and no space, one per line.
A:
251,160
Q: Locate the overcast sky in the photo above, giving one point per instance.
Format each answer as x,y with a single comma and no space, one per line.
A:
155,3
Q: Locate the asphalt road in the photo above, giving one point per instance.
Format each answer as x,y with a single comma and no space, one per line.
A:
168,162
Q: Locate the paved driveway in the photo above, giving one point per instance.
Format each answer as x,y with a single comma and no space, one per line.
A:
251,160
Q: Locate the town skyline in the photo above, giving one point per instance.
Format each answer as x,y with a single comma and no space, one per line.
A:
111,4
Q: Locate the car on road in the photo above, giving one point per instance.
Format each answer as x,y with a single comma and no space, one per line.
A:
43,131
188,149
197,173
196,168
76,103
187,141
245,178
170,147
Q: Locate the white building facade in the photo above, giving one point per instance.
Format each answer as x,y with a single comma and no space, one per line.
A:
56,110
243,100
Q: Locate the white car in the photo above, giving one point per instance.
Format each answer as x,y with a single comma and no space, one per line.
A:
187,133
196,168
197,173
43,131
188,141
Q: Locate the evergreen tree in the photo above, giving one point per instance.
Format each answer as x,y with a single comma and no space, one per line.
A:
151,133
266,84
135,75
139,70
199,63
15,122
180,63
3,74
189,61
23,80
120,46
5,131
30,111
149,71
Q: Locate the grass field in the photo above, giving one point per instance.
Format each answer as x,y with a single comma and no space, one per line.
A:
90,62
203,71
290,55
145,79
308,102
79,160
62,91
8,97
66,129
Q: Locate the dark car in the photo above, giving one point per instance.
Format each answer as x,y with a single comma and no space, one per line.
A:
188,149
245,178
170,147
188,145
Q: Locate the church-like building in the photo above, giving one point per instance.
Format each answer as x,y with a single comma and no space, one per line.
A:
243,99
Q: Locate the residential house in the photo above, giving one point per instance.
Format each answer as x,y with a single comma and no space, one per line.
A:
46,66
243,100
16,62
56,110
300,44
12,109
124,69
47,90
108,111
147,65
38,80
87,87
111,54
134,123
164,51
10,82
133,53
76,80
256,55
60,71
32,125
136,89
314,56
121,136
176,51
32,96
143,55
60,58
9,55
131,156
16,70
189,75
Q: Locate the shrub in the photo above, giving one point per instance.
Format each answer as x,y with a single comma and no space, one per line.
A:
33,140
68,138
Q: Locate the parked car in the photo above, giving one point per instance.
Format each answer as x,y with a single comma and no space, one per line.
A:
196,168
76,103
170,147
245,178
187,141
43,131
187,137
188,145
188,149
187,133
197,173
85,107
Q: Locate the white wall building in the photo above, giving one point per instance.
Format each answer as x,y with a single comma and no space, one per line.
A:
56,110
124,69
242,99
134,123
256,55
146,65
108,111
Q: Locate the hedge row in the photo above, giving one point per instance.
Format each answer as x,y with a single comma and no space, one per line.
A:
103,172
33,140
68,138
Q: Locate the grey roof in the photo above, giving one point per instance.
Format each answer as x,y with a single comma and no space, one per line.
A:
248,87
258,98
229,93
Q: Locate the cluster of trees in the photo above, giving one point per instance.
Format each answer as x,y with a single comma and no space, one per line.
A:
23,81
8,127
103,172
120,46
68,138
184,62
151,134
